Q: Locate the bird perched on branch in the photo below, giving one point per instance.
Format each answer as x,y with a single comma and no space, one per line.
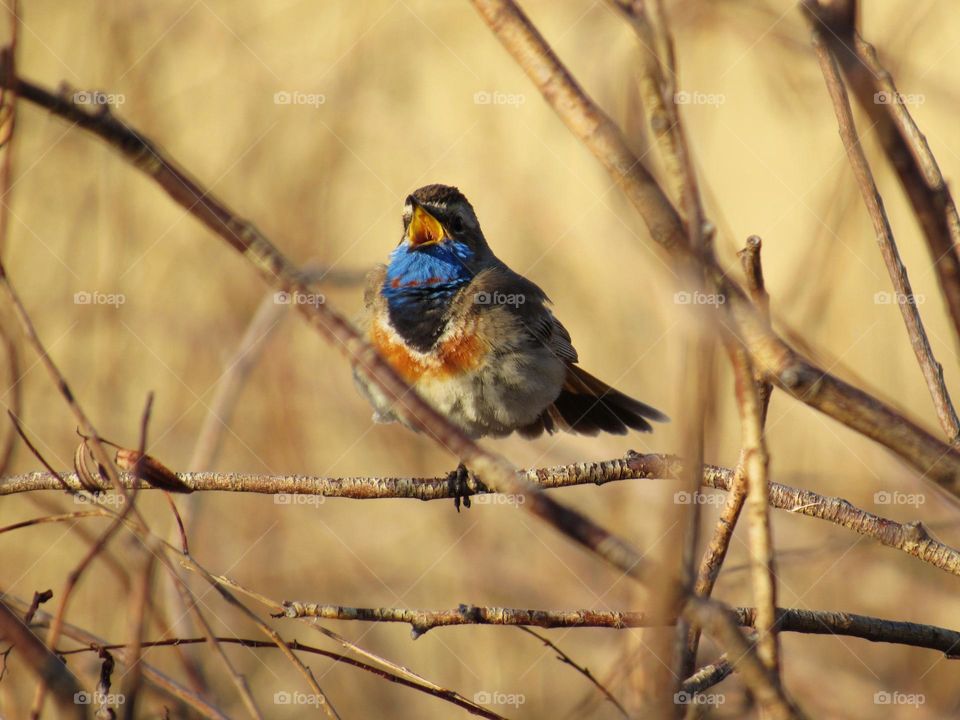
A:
477,340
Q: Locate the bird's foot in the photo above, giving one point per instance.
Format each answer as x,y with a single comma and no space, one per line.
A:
459,484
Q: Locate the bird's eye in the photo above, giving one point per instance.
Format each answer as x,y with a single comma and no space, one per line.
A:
456,223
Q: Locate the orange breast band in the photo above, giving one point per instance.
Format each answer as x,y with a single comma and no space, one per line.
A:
452,357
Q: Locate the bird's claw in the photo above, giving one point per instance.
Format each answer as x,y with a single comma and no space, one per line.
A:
459,484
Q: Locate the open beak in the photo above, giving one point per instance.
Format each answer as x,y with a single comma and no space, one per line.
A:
424,229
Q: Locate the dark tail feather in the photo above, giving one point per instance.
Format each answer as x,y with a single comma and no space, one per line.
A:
589,406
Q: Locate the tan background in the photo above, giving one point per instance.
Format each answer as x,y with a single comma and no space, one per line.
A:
327,183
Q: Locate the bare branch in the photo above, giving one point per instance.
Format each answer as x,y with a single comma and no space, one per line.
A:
299,647
157,679
754,461
771,356
911,538
707,676
816,622
583,670
905,146
43,663
716,551
932,370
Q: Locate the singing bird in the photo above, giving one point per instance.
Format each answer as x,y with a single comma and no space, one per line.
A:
477,340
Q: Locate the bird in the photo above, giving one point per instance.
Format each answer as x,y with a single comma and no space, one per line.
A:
477,340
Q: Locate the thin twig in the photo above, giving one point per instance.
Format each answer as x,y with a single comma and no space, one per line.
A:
903,143
43,663
278,608
754,461
139,602
720,623
583,670
299,647
905,299
15,389
157,679
719,544
274,636
756,288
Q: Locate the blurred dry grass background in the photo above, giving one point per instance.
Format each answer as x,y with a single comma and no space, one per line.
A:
327,182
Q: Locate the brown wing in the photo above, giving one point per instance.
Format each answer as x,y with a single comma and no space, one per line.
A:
587,405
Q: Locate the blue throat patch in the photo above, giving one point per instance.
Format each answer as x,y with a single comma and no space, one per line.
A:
419,287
